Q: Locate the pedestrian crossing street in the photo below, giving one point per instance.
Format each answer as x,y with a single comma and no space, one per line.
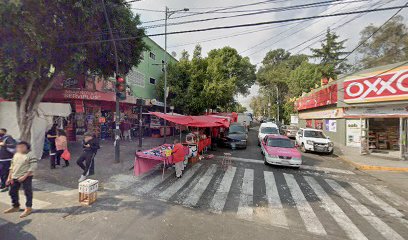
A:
318,205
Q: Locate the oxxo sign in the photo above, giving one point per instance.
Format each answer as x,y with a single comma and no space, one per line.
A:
386,87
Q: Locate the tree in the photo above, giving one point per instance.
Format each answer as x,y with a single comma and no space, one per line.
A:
37,44
388,45
330,55
304,78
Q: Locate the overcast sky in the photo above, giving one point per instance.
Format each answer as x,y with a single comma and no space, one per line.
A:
254,42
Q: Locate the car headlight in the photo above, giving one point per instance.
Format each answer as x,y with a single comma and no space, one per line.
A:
243,140
272,156
309,142
331,144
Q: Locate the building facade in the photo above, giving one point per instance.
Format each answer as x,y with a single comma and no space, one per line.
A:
143,78
367,110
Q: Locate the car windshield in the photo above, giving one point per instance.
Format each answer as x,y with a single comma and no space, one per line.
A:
314,134
280,142
237,129
269,130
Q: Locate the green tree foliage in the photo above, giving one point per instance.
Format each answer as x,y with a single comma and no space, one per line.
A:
35,47
388,45
303,78
208,83
330,55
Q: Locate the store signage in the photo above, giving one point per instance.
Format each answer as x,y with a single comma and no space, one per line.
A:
85,95
385,87
321,97
353,129
389,110
330,125
328,113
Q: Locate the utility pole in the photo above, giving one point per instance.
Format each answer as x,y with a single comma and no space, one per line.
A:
277,100
269,105
167,16
117,117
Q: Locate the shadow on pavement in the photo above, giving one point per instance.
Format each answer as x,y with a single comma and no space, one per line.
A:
12,231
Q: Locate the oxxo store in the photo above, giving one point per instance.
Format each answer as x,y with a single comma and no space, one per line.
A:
375,104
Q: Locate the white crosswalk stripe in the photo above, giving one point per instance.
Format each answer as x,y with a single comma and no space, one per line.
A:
306,212
177,185
339,216
245,209
379,202
391,196
276,211
220,197
152,183
377,223
199,180
200,187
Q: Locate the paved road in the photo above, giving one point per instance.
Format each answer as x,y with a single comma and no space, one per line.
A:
325,199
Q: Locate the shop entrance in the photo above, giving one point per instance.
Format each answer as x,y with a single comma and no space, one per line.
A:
384,136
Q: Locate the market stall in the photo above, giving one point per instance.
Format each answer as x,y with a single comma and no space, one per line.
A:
194,145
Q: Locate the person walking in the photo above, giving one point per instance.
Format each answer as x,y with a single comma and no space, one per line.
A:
7,150
61,144
126,130
22,170
178,158
90,147
51,136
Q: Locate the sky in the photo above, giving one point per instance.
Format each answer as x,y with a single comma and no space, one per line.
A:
255,42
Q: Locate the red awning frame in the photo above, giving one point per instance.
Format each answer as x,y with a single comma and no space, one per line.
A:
194,121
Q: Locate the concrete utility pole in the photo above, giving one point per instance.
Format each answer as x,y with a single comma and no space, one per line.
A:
167,16
117,117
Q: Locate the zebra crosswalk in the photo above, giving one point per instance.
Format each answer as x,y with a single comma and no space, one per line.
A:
287,200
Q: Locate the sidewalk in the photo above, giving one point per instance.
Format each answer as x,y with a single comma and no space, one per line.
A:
105,167
371,162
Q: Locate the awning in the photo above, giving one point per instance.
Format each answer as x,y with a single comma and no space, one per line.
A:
194,121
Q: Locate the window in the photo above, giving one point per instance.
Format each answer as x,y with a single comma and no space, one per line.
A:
152,56
314,134
280,142
237,129
163,65
136,78
269,130
152,81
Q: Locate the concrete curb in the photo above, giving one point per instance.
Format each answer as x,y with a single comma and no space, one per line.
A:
373,167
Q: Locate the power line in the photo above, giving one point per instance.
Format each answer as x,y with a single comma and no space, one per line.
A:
246,25
280,9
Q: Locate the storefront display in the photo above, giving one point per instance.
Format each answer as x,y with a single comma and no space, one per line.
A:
353,129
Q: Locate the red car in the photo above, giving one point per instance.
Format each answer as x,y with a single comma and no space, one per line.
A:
280,150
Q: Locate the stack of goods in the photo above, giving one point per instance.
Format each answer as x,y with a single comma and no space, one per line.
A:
372,139
393,138
382,140
159,152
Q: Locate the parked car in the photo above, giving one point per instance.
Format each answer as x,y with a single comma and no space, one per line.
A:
280,150
313,140
236,136
291,131
265,129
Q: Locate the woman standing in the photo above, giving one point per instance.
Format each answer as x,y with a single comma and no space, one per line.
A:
61,145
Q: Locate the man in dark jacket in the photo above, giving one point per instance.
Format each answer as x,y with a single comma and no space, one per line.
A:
7,150
90,147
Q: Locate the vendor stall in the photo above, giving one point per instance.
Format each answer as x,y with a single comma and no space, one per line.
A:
194,145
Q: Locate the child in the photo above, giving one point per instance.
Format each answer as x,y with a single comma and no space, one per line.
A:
61,144
22,168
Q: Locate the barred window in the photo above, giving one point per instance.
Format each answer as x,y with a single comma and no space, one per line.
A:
136,78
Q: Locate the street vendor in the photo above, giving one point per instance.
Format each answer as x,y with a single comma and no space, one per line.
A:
178,158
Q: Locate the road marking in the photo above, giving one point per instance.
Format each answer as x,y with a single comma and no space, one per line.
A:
37,204
391,196
152,183
379,202
310,219
335,211
220,197
245,208
379,225
179,183
305,167
200,187
276,211
53,188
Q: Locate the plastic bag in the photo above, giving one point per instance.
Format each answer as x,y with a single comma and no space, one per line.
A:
66,155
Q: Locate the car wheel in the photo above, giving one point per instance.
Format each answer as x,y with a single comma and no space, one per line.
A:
303,148
259,144
265,162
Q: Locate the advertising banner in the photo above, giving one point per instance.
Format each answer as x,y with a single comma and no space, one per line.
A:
353,131
390,86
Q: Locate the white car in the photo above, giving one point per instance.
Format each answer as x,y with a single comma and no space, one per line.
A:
313,140
267,129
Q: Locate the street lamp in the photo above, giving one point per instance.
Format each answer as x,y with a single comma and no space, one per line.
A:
167,16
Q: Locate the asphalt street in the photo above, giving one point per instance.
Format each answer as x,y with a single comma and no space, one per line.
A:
325,199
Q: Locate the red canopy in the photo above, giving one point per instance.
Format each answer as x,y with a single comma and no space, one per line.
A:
194,121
